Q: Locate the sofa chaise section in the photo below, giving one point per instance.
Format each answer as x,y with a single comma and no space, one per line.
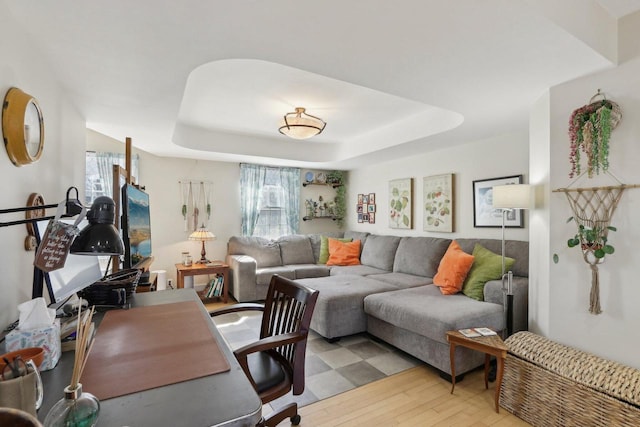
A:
340,311
416,321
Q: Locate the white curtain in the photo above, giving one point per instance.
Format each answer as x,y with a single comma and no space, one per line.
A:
270,200
99,173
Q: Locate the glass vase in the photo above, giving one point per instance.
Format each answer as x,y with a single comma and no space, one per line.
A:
75,409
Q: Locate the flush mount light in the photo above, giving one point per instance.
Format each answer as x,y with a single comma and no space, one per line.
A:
300,125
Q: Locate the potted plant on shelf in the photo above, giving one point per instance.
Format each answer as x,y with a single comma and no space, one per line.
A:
335,177
593,239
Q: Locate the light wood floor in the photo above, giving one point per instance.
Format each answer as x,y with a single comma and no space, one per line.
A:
416,397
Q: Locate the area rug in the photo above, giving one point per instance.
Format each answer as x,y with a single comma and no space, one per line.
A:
331,368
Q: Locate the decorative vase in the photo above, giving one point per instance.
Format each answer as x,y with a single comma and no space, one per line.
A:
75,409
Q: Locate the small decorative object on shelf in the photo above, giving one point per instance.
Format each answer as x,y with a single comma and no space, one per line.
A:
590,129
308,177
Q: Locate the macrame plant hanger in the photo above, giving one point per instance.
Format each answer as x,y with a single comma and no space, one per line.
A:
593,209
590,128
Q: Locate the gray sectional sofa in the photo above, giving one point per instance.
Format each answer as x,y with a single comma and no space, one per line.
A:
390,295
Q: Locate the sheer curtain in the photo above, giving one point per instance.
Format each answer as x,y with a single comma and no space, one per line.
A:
270,200
99,173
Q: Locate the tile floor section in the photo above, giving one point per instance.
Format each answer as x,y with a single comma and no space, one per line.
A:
331,368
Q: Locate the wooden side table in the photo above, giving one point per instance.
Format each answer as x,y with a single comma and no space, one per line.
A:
200,269
490,345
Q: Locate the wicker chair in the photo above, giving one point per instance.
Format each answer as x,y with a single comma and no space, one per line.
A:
275,363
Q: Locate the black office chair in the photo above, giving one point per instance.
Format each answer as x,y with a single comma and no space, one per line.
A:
275,363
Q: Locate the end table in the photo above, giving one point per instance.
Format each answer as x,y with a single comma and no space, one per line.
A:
491,345
200,269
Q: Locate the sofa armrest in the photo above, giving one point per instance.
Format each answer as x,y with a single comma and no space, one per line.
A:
243,277
493,293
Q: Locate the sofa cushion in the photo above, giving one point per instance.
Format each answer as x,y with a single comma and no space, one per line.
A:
357,235
265,252
516,249
295,249
420,255
379,251
486,266
343,253
305,271
453,269
339,308
402,280
316,241
263,275
323,257
355,270
425,311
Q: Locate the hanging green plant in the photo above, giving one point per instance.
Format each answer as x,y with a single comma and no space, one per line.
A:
341,205
590,129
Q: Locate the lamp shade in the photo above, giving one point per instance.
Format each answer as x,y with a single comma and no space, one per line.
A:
202,235
300,125
100,237
512,196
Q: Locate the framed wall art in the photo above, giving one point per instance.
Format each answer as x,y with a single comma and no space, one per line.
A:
484,215
438,203
401,203
366,208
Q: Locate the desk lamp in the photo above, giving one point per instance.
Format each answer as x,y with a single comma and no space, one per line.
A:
100,237
508,198
202,234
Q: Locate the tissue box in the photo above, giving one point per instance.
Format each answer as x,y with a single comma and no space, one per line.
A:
47,338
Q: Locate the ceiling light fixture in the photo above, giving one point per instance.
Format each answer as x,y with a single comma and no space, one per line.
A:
300,125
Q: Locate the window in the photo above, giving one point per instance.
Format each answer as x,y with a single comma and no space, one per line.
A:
99,173
270,199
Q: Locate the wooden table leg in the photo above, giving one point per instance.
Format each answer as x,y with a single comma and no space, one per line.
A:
452,357
487,359
500,372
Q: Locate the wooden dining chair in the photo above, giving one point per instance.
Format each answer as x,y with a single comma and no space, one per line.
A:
275,363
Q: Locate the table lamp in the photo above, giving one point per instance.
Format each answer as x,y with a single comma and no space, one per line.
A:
202,234
508,198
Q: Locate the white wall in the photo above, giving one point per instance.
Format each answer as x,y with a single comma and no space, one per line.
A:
160,176
610,334
61,165
504,155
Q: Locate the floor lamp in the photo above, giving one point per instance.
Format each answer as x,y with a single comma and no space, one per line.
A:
508,198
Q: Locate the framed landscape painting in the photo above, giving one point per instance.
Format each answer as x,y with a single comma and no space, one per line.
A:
401,203
484,215
438,203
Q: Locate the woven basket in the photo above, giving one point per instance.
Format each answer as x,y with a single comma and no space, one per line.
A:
115,289
549,384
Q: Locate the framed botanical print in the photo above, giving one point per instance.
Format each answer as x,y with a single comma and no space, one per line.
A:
438,203
484,215
401,203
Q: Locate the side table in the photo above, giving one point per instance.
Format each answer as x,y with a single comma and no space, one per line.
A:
201,269
490,345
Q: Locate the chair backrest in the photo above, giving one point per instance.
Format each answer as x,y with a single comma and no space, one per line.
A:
288,309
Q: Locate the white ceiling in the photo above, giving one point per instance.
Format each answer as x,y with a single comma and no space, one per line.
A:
211,79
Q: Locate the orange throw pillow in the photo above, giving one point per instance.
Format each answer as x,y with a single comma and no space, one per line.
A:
453,269
343,253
